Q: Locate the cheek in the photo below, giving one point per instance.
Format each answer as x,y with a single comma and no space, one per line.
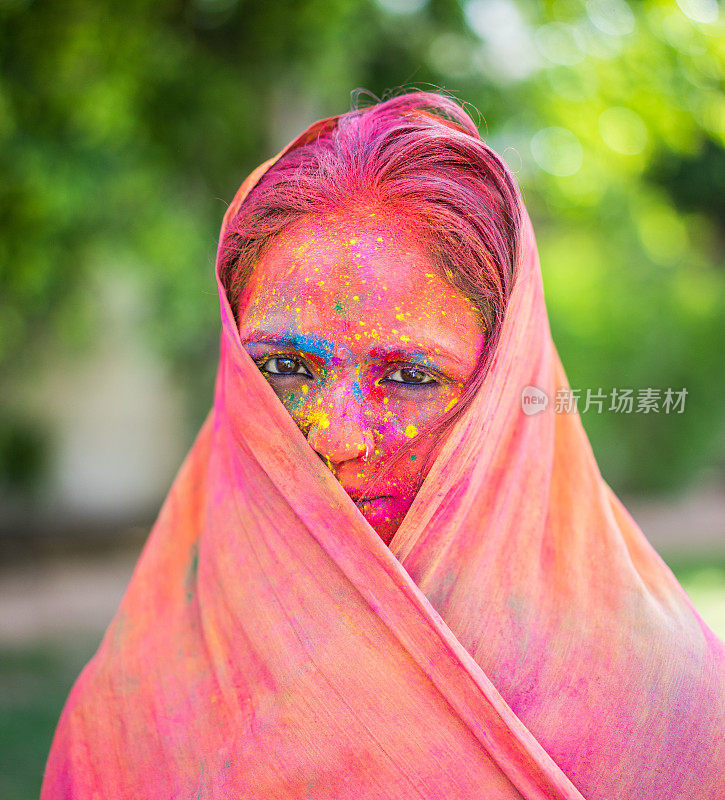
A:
404,413
400,419
301,404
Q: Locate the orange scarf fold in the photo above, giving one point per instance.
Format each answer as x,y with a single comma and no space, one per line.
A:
519,638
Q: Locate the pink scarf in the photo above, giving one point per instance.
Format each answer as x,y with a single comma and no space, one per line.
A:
519,637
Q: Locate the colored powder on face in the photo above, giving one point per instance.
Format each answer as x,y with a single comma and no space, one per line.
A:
413,457
339,307
411,431
319,417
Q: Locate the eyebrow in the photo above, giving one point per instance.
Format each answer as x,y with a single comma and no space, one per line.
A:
324,349
414,353
417,353
315,345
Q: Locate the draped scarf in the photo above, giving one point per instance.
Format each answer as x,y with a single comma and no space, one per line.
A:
518,638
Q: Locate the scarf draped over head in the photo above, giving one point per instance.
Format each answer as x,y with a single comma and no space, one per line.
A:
519,638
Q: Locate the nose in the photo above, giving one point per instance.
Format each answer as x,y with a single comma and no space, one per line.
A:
338,432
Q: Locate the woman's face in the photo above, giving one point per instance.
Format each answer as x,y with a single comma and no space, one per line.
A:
365,344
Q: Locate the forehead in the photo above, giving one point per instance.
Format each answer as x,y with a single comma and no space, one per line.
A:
357,278
364,249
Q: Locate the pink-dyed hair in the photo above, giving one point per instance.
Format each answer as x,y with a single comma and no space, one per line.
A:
419,155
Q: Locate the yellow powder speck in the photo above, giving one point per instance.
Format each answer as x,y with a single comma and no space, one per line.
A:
400,317
429,275
324,422
305,389
357,337
380,238
385,400
361,322
395,333
411,431
298,310
322,283
353,241
451,404
355,298
404,338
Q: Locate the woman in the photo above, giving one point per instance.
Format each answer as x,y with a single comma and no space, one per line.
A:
375,576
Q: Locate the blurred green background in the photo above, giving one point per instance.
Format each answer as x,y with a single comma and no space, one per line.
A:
125,130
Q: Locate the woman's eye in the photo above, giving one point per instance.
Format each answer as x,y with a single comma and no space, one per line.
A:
409,375
284,365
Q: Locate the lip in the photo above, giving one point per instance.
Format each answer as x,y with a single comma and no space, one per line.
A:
361,499
355,492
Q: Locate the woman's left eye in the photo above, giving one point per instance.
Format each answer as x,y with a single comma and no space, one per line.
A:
410,376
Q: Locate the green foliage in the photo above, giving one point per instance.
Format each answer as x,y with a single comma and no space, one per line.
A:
125,129
22,455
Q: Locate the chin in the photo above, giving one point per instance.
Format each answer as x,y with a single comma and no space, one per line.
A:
384,515
385,530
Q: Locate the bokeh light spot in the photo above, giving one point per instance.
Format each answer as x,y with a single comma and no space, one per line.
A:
623,130
614,17
510,48
558,42
700,10
662,233
557,151
402,6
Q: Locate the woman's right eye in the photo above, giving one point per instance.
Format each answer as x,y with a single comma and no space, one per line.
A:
284,365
